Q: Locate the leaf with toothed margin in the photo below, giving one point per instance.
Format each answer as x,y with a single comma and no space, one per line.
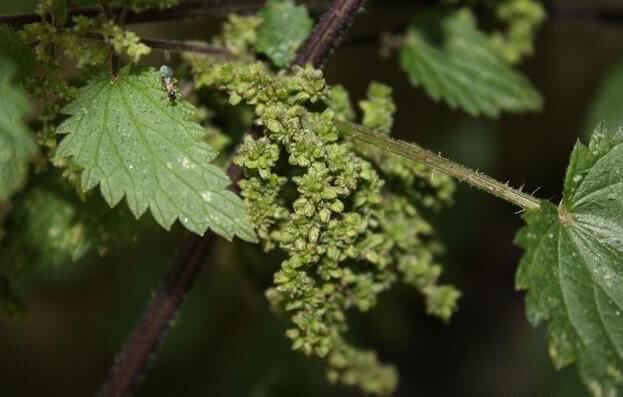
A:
453,61
573,265
285,26
132,141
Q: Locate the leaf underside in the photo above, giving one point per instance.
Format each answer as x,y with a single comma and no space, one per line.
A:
284,27
455,62
573,265
17,146
132,141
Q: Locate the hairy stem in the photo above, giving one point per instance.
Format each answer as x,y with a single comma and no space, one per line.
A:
219,8
174,45
158,317
439,163
187,9
328,33
182,46
149,334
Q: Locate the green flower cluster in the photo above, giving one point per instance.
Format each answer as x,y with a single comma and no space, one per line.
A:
52,37
143,5
430,189
124,41
348,233
239,34
522,17
47,83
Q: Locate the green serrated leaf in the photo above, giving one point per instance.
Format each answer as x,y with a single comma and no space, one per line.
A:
45,229
284,27
453,61
49,226
607,106
133,142
17,146
573,265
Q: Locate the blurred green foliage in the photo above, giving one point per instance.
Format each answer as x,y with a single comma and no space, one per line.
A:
226,341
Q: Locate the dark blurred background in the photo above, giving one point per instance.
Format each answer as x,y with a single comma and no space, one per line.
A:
226,342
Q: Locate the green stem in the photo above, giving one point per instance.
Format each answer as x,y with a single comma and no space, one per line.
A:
441,164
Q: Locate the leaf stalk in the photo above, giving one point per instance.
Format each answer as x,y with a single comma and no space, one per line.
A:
441,164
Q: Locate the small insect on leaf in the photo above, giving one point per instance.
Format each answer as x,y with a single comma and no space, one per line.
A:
126,122
169,83
166,72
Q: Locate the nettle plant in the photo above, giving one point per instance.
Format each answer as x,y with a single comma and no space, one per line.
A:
314,179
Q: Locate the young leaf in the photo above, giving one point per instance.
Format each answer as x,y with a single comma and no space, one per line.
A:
454,61
573,265
284,27
17,146
132,141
